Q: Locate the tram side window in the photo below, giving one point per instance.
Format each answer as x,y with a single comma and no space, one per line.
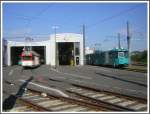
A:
110,54
113,54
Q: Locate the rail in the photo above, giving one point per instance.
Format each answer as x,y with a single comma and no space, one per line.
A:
107,99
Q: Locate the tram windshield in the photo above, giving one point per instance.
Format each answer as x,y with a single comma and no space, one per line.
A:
26,57
123,54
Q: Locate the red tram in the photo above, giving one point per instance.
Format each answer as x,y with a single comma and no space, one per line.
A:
30,59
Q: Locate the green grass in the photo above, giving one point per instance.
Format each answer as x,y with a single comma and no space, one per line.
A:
142,69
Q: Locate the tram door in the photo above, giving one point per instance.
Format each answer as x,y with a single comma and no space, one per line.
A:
77,53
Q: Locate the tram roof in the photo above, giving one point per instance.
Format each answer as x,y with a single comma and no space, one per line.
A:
30,52
119,49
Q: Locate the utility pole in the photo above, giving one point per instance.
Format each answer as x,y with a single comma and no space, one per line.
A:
55,27
98,46
28,41
129,42
119,45
83,32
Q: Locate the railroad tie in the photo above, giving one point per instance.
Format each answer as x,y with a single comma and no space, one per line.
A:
105,97
116,100
88,94
126,103
77,109
75,89
51,103
40,99
98,95
139,106
27,97
63,107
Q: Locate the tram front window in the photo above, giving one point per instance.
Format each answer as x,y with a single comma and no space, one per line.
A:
26,57
121,54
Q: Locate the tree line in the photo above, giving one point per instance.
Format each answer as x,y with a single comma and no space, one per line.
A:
139,57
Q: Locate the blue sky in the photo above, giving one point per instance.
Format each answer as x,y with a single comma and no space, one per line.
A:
103,22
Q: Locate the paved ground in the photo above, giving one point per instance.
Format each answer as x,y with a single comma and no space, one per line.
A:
56,81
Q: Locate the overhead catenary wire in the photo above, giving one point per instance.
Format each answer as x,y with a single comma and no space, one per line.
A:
113,16
40,13
36,16
29,20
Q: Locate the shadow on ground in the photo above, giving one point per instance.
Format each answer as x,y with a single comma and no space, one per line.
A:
113,77
11,100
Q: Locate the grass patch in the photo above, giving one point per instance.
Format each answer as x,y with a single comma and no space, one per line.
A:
142,69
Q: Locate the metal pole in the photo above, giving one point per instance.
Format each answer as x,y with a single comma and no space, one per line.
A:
84,60
55,49
119,45
55,27
129,43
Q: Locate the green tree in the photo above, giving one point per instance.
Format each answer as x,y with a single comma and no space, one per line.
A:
140,57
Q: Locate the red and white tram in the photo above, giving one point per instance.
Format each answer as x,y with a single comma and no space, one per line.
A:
30,59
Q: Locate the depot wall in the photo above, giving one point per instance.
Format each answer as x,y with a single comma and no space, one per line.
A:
50,46
4,50
65,37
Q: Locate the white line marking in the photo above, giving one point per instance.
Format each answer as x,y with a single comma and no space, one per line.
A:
48,88
74,75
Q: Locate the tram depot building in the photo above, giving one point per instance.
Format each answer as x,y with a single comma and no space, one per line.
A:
62,49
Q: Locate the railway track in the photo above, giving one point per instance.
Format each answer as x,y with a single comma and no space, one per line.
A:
33,101
109,100
82,99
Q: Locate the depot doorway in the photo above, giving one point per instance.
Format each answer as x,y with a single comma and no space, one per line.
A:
41,50
66,53
16,54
